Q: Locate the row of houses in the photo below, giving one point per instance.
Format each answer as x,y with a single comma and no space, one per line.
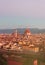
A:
25,41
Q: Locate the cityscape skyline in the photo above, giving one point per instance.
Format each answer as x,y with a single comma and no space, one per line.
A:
19,14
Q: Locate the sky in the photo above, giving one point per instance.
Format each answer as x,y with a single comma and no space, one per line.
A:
22,13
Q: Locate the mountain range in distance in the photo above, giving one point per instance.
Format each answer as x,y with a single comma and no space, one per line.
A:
21,30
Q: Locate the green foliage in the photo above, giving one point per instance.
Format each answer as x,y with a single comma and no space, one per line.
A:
3,60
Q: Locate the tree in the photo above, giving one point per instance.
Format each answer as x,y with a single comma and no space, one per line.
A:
3,60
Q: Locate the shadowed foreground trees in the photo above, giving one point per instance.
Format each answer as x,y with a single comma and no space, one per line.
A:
3,60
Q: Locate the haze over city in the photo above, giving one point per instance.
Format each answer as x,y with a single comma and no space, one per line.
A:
22,13
22,32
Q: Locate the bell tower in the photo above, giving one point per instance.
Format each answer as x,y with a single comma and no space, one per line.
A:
16,33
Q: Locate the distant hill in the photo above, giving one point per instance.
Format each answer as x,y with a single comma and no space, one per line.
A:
21,30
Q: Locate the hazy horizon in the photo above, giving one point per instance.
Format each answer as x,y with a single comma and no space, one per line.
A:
22,13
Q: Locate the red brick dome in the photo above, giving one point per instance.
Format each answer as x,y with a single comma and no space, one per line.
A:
27,31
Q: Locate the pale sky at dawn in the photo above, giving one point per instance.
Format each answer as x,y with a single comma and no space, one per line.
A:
22,13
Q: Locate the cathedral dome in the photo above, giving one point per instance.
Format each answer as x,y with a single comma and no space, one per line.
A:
27,31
